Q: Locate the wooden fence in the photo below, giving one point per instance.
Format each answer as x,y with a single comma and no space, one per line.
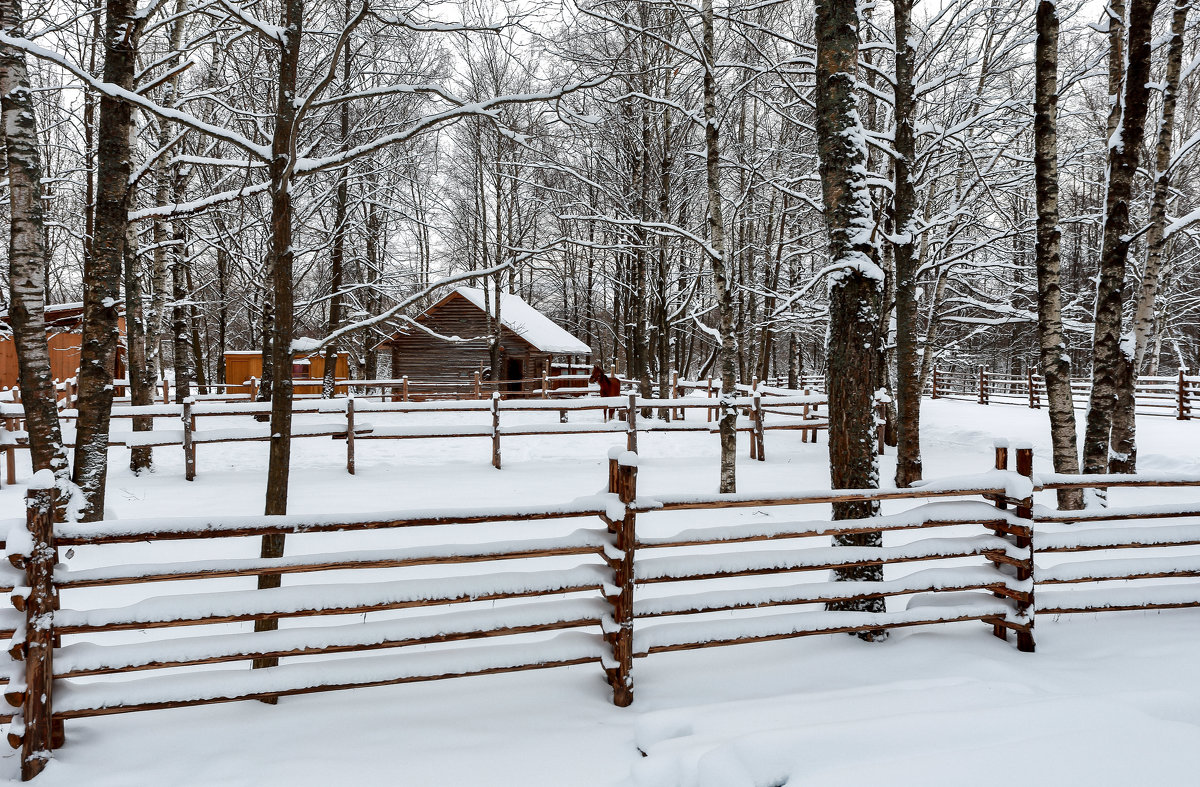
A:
617,605
1171,396
794,413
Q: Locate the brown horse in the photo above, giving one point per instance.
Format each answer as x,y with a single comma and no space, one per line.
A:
609,386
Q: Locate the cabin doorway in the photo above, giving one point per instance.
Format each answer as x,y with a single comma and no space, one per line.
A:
514,372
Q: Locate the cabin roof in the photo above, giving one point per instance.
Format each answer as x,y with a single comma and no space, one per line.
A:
529,324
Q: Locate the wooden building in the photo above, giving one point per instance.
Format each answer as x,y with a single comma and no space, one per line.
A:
453,346
64,324
241,365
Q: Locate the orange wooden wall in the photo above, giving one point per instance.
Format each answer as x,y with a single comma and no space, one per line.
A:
241,366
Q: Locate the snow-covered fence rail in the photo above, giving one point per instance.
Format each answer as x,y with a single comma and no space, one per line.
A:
1124,577
73,661
1170,396
802,413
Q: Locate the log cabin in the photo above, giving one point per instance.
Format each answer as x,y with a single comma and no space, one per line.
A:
64,324
448,344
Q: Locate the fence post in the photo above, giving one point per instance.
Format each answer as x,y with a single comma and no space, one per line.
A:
1033,402
37,706
622,475
166,391
708,410
478,388
189,440
350,435
631,423
404,388
1025,604
880,427
760,430
1184,410
10,453
982,386
998,630
934,392
253,389
496,429
804,432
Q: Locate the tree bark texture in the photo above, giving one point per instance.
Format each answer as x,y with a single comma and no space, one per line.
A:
1122,166
27,258
908,373
102,293
1055,361
855,289
283,153
727,352
1124,432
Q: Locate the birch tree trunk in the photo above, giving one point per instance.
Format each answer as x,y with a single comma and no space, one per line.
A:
855,289
102,278
1055,361
727,352
1122,165
1124,431
27,258
908,374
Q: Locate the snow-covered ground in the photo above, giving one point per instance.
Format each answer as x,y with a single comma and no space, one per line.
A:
1107,699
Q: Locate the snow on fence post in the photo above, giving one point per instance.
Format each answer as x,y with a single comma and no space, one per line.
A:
254,389
1034,403
1184,411
37,706
189,440
631,423
674,394
804,432
1025,605
622,475
350,435
478,387
404,388
983,391
496,429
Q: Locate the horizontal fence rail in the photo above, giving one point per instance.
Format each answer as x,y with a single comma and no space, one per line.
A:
348,419
605,579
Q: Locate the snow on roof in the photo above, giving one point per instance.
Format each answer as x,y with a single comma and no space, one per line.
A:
529,323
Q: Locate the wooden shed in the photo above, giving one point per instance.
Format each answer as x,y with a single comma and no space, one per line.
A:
64,324
241,365
453,346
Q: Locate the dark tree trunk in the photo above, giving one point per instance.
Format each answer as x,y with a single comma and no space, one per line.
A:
1055,360
141,381
908,373
102,278
1124,434
1122,166
853,338
280,261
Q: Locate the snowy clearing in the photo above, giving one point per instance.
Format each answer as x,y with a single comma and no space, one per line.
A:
1109,699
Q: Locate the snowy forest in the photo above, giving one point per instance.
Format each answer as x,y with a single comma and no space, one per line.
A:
737,190
853,225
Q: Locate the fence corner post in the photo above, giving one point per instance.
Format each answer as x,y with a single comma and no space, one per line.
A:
1025,604
38,708
622,480
631,423
496,429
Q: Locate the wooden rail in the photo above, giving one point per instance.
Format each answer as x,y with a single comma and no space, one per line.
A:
986,535
350,422
1169,396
